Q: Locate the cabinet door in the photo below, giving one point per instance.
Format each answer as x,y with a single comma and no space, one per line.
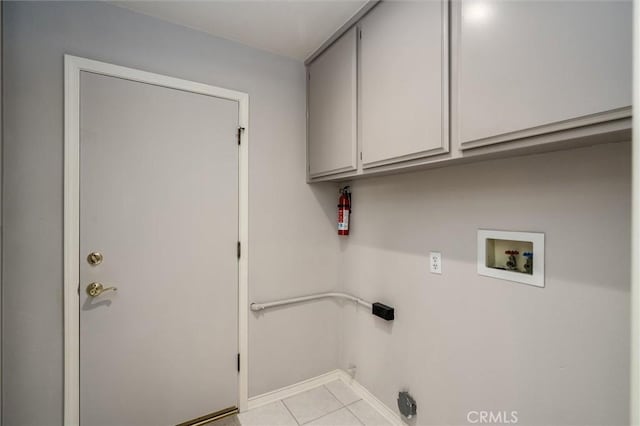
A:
524,68
332,146
404,85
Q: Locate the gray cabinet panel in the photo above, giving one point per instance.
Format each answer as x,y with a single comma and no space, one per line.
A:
404,85
332,143
524,68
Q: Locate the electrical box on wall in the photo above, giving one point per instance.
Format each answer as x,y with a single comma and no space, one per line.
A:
513,256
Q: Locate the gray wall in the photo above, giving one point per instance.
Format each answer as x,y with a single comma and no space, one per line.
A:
461,342
293,248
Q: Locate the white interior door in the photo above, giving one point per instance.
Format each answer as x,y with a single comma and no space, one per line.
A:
159,202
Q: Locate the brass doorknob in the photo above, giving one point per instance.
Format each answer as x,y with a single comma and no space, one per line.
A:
96,289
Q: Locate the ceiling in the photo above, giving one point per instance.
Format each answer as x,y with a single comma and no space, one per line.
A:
294,28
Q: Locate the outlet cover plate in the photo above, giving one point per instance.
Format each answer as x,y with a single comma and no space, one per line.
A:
435,262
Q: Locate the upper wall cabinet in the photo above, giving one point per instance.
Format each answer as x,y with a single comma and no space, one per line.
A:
525,68
332,124
404,87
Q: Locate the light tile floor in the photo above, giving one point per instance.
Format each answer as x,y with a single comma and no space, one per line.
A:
333,404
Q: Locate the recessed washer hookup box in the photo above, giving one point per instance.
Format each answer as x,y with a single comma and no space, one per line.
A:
512,255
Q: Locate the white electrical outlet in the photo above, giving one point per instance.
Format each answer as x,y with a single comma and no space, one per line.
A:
435,262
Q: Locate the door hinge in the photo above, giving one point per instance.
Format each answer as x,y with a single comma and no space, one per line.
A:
240,130
239,250
238,362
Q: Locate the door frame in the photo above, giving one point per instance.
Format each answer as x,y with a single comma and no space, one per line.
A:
73,66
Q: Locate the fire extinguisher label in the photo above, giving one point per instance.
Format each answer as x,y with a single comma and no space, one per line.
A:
343,220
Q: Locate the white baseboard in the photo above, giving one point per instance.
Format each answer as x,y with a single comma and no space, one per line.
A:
287,391
305,385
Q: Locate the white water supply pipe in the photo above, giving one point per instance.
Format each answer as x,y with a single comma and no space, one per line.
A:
262,306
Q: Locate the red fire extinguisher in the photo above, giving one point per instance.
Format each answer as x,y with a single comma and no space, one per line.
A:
344,211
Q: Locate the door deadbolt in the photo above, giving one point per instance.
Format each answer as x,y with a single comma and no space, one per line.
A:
94,258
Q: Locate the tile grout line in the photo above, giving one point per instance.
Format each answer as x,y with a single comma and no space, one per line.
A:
354,414
324,415
295,419
331,412
336,397
331,393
